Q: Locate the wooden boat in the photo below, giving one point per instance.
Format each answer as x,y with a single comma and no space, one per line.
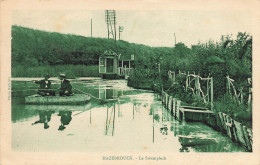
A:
57,108
195,141
58,100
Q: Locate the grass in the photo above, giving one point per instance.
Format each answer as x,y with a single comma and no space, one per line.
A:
71,71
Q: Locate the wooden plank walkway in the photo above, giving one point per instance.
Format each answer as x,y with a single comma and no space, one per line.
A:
193,112
183,110
195,108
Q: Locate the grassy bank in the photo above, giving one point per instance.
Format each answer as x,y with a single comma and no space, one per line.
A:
225,103
71,71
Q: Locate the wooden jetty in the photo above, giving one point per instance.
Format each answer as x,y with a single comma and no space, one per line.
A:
186,113
194,114
58,100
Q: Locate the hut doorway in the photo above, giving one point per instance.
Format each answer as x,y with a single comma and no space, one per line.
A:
110,65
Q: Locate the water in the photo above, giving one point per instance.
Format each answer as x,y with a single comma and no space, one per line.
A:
135,122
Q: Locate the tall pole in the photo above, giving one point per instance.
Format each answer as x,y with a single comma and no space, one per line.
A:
120,29
107,19
115,23
91,27
174,39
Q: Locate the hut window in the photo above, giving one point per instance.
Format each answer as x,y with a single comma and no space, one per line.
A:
101,62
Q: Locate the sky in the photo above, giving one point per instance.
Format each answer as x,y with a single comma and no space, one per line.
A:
148,27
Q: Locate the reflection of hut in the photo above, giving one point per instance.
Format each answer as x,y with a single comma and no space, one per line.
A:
112,65
109,93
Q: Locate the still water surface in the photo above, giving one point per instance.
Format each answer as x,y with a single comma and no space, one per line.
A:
135,122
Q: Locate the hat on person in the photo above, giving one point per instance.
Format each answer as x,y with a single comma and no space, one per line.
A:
62,75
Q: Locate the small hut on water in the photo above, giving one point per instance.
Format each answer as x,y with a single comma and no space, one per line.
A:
112,65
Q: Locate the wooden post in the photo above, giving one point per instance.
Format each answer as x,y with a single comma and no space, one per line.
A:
240,133
247,140
211,92
166,99
173,107
197,85
173,77
114,107
187,83
234,130
107,121
249,103
208,90
228,85
178,109
153,125
170,103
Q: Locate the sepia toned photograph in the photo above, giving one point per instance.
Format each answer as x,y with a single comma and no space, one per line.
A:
117,81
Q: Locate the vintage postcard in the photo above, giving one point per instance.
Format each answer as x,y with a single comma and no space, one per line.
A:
129,82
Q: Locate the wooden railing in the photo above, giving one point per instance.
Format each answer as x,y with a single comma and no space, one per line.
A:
123,71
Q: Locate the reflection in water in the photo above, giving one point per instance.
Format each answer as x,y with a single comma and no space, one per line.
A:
65,118
111,113
164,130
108,92
44,117
138,116
184,149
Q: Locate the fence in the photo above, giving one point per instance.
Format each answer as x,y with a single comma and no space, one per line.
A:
208,94
124,71
196,88
238,94
219,121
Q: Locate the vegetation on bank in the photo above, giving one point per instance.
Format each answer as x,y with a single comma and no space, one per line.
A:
228,57
71,71
34,47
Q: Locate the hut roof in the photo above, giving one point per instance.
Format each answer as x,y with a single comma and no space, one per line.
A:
109,53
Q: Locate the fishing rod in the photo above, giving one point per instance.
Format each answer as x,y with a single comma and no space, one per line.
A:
102,101
34,90
86,93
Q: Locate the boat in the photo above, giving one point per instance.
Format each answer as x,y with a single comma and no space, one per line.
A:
57,108
57,100
195,141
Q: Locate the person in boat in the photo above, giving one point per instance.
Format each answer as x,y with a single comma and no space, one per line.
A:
66,88
45,87
45,118
65,118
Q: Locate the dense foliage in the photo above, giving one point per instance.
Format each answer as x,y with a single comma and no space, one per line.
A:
231,57
34,47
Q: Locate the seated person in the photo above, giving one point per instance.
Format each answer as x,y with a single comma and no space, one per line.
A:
45,87
66,88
